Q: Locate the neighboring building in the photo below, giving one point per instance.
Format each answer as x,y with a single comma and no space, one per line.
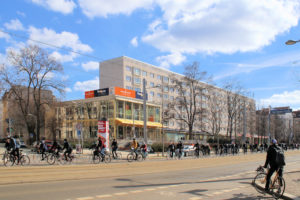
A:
2,131
129,73
296,126
122,111
10,110
281,123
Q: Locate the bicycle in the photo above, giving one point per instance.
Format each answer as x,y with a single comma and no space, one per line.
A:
134,156
99,157
118,156
9,159
197,154
170,155
277,184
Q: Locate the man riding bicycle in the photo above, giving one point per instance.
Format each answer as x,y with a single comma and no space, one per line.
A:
55,148
43,148
271,160
68,149
114,148
134,146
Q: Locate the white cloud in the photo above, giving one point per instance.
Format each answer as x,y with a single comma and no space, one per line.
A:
134,42
103,8
62,40
171,59
68,89
15,25
87,85
287,98
63,57
63,6
216,26
90,66
21,13
4,35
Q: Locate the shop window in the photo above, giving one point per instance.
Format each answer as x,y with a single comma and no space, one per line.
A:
120,111
128,110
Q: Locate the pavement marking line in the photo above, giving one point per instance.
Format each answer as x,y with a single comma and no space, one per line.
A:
195,198
136,191
171,186
120,193
216,193
164,187
104,196
85,198
209,195
149,189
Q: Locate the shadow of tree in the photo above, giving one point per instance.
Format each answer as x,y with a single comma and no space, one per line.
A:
241,196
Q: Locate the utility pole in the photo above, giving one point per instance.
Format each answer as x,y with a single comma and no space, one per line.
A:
269,131
145,114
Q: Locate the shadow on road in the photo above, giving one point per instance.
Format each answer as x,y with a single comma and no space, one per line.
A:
247,197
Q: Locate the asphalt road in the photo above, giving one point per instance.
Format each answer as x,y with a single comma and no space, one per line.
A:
209,178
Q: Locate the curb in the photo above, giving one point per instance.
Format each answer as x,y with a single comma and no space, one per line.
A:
286,196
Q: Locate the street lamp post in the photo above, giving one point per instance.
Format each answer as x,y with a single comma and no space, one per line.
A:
291,42
144,109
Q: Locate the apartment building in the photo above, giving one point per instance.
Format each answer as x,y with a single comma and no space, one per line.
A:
129,73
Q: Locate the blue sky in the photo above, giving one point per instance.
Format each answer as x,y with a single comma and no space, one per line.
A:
237,39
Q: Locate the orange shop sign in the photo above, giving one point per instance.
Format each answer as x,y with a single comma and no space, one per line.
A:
124,92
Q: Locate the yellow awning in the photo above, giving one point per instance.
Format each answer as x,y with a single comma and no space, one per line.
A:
137,123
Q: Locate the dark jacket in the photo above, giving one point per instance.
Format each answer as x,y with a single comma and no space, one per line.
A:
271,156
67,146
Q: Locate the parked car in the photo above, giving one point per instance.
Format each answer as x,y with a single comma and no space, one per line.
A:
188,150
22,144
150,149
36,145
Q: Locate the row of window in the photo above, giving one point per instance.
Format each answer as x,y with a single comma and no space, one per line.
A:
139,72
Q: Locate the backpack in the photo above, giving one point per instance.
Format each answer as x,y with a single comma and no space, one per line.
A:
280,159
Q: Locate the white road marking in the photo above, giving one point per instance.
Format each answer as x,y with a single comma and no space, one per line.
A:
104,196
120,193
85,198
195,198
150,189
136,191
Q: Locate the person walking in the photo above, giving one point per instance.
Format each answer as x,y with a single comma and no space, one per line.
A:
114,148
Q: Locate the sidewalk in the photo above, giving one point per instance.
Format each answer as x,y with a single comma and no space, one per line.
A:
292,181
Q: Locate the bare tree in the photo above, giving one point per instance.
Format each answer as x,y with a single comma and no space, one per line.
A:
216,108
191,90
234,91
30,80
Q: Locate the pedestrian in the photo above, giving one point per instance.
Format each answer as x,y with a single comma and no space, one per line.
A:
114,148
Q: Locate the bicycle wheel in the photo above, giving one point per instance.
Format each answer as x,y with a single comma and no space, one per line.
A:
96,159
259,181
119,156
51,159
25,160
107,158
130,157
278,188
8,160
139,157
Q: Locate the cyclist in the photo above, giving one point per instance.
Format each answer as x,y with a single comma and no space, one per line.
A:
55,148
172,149
114,148
271,160
68,149
43,148
8,144
134,146
144,149
15,148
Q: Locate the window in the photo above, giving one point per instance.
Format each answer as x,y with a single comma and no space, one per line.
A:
137,81
159,95
128,68
128,78
144,73
137,71
137,89
166,79
159,77
128,87
171,89
152,94
166,89
166,96
151,75
151,84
